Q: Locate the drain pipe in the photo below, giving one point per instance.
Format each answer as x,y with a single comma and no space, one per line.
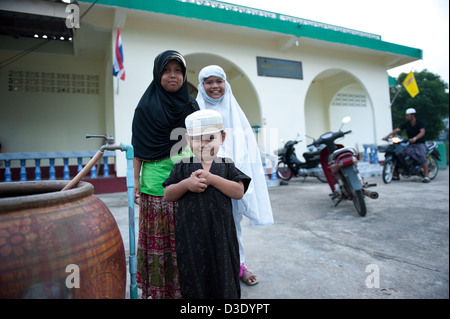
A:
130,186
129,152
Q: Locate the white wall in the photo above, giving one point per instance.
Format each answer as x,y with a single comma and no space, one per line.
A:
282,107
44,122
281,101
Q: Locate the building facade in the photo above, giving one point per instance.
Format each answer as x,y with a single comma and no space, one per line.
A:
289,75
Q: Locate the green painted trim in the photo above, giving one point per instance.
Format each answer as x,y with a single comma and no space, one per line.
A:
392,81
202,12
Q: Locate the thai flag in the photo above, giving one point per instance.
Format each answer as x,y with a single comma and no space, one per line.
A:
118,68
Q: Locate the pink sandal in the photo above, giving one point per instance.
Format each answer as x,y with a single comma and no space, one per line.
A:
246,275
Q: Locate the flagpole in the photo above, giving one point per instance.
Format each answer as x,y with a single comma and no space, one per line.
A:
117,89
118,68
396,94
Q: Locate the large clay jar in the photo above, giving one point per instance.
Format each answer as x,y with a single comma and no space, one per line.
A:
58,244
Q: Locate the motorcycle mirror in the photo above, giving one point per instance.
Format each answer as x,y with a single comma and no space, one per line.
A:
346,119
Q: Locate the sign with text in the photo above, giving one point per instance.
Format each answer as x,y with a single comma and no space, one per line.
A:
279,68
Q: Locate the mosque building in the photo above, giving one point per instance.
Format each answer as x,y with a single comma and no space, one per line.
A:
290,75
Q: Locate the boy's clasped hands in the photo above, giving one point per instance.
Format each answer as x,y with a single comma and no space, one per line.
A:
198,181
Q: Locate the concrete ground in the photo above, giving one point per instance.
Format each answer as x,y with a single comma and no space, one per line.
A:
399,250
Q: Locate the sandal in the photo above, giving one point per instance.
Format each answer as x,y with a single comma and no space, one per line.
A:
246,275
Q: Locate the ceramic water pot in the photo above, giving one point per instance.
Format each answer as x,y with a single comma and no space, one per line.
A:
58,244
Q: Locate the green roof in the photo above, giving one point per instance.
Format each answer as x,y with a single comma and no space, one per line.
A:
222,12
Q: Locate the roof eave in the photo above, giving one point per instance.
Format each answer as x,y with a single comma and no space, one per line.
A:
214,14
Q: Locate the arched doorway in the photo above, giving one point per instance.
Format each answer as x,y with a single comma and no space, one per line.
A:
332,95
242,88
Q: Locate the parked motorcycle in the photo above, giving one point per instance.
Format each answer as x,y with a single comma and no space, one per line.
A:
395,164
289,165
339,164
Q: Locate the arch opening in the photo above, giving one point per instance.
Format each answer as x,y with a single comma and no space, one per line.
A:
243,90
334,94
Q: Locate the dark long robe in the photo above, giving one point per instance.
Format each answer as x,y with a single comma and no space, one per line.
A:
205,234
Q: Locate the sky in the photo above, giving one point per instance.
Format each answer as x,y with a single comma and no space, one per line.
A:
421,24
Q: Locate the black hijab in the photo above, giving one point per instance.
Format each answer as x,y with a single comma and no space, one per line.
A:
159,112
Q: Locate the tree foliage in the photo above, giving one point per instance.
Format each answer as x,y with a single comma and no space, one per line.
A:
431,104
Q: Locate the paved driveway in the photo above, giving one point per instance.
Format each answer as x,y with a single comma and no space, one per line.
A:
399,250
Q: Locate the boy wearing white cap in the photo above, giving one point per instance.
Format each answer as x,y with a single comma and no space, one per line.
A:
215,93
415,129
205,234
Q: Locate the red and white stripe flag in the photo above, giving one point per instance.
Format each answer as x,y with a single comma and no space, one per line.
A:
118,67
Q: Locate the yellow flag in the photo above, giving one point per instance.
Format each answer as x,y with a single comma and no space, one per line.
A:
410,84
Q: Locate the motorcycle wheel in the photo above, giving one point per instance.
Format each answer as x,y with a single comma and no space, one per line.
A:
357,197
432,167
284,172
359,202
388,171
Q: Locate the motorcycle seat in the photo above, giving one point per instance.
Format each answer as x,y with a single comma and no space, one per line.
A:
294,159
311,155
340,151
430,145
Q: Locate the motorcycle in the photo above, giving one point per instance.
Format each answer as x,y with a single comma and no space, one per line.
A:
339,164
289,165
395,164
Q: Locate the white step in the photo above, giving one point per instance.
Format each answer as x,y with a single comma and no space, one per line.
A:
367,169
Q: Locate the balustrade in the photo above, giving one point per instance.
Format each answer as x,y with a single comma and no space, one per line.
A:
51,156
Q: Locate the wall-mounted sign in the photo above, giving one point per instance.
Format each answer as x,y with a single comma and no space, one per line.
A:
279,68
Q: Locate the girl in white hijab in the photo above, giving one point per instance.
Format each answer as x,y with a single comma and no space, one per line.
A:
242,148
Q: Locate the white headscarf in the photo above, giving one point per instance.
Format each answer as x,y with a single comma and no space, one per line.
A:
239,145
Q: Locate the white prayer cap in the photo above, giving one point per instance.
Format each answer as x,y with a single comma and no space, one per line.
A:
410,111
204,122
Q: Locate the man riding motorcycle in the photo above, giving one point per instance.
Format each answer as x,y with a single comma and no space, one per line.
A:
415,129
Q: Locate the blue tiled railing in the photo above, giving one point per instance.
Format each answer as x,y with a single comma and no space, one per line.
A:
51,156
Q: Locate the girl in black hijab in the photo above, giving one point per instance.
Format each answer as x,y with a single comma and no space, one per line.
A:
158,130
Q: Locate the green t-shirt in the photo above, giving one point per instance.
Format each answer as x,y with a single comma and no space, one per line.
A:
153,174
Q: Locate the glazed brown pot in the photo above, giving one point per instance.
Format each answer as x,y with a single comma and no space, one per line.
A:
58,244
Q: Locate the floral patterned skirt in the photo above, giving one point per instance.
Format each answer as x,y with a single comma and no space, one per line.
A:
157,271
